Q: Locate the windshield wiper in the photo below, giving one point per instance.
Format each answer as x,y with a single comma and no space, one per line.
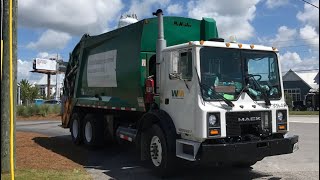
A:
263,93
227,101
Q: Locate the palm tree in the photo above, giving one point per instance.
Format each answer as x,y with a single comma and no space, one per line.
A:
28,92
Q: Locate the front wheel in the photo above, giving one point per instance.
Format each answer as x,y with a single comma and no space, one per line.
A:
161,158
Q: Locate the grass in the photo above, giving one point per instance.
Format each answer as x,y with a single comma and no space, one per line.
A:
33,174
43,110
304,112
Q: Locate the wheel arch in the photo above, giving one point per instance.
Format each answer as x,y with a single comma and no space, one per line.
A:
165,122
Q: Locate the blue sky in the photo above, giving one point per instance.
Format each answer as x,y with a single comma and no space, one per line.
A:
47,27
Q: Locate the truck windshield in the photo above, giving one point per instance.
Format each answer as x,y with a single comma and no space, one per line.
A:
230,71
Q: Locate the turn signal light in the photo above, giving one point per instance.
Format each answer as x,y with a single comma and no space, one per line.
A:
214,132
282,127
202,42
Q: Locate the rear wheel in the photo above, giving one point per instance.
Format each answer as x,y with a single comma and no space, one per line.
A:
75,129
93,130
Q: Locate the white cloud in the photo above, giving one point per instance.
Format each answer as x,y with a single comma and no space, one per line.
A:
284,37
310,36
47,55
175,9
271,4
144,8
309,32
310,15
75,18
24,68
292,60
233,20
50,40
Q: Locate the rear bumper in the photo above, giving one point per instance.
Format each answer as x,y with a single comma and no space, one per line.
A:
250,151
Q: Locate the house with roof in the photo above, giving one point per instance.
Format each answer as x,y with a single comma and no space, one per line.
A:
299,84
43,86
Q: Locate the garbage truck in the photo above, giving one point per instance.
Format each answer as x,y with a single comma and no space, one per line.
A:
175,90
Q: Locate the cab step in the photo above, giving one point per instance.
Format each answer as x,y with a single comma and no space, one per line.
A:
186,149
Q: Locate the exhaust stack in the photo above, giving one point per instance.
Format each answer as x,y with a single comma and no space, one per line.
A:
161,44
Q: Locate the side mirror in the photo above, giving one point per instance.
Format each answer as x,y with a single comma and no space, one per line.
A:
175,76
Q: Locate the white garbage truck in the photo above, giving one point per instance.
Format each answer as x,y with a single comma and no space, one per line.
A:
174,89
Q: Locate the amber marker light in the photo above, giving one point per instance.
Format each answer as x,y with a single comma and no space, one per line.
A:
251,46
228,44
214,132
281,127
240,45
274,48
202,42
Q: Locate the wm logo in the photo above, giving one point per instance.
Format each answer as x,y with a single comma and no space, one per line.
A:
177,94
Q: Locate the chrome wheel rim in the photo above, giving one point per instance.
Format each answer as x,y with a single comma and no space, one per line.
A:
88,131
75,128
156,151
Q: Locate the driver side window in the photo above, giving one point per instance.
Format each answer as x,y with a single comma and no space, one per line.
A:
181,65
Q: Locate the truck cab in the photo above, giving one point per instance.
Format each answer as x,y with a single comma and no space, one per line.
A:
230,94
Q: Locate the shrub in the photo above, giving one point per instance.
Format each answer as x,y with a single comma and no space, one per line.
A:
44,110
26,112
55,109
20,110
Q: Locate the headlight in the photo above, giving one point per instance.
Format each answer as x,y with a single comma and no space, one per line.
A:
212,120
280,116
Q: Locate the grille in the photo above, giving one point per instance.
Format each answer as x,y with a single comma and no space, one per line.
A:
243,123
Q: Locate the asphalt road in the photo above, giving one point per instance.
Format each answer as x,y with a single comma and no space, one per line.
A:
121,162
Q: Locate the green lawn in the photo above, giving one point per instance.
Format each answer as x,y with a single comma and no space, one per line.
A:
303,112
48,174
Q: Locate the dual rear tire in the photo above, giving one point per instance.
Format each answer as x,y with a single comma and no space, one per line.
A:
88,130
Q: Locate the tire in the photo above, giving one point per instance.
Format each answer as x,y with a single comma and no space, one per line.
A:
93,131
245,164
76,129
160,157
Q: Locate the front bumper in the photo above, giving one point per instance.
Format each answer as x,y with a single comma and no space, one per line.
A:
248,151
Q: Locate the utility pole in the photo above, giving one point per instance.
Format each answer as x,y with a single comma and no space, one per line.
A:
9,71
57,66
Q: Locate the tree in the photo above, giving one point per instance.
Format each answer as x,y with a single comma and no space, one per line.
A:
288,100
28,92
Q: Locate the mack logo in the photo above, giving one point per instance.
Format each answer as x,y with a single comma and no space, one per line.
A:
177,94
246,119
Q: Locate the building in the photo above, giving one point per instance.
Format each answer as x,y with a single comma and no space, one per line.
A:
299,84
42,85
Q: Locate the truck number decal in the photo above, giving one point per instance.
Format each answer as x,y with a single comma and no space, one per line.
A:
279,105
101,69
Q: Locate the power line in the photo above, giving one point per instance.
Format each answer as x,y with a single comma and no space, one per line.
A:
310,4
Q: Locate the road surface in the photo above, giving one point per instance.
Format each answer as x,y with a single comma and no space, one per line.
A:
121,162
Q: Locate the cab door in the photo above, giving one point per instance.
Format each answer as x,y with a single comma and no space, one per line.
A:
179,89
